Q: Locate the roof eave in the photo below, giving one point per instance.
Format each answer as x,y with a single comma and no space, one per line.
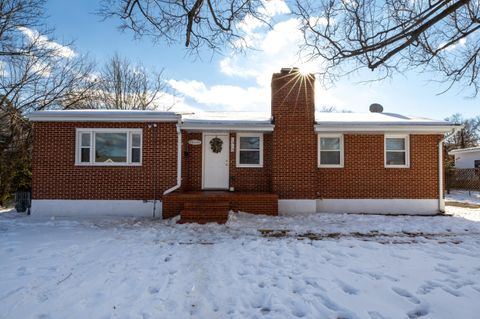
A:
461,151
244,127
418,128
102,116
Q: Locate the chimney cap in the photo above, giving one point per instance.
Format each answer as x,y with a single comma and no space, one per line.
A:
289,70
376,108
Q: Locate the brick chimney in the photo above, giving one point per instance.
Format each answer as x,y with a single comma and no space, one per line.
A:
294,139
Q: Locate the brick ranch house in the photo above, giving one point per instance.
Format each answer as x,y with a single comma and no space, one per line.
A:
144,163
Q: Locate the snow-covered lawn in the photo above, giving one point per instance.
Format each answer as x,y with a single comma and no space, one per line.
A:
311,266
462,196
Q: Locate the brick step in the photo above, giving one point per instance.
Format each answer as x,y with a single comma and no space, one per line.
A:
202,221
207,205
196,214
203,212
250,202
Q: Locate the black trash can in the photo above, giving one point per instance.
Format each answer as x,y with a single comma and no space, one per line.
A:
23,201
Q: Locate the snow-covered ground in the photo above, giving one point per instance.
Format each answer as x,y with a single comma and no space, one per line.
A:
308,266
472,197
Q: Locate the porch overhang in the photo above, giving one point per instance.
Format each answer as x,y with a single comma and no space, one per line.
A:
227,126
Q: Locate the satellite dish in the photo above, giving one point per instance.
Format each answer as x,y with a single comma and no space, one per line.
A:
376,108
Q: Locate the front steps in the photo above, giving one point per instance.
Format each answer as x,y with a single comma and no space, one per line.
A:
203,212
213,206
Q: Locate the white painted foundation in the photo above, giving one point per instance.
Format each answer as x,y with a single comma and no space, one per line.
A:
291,206
138,208
359,206
379,206
94,208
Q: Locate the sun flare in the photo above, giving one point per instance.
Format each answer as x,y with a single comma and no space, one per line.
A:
306,69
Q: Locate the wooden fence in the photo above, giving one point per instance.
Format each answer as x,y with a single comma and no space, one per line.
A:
463,178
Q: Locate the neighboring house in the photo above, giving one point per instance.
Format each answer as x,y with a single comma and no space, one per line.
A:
467,157
124,162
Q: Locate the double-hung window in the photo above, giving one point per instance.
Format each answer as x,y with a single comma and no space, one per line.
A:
109,147
249,150
330,150
397,151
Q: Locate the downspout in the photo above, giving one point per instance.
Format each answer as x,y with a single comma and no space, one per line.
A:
154,132
179,161
441,199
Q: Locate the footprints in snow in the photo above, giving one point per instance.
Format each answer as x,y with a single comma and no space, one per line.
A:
404,293
446,269
346,288
153,290
419,311
21,271
372,275
375,315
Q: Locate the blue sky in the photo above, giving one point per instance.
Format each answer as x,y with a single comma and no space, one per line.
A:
232,82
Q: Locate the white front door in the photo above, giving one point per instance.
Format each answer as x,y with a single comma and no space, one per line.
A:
215,161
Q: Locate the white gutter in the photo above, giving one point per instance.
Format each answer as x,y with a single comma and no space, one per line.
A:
240,127
441,198
465,150
103,116
179,161
349,127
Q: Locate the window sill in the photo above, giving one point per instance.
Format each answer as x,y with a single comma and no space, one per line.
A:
108,165
397,166
248,166
330,166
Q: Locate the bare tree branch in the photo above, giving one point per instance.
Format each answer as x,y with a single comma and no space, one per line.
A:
126,86
36,73
201,23
439,36
390,36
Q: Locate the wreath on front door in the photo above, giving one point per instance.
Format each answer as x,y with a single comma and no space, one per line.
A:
216,145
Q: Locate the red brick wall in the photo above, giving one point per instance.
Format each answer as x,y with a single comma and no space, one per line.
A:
294,139
192,168
55,175
242,178
295,172
364,174
253,179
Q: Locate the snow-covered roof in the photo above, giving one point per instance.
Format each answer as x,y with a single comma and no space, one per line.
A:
228,116
379,122
374,118
253,121
465,150
227,121
102,116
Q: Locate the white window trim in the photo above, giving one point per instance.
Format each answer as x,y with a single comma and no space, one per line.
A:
260,164
92,132
407,150
341,165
